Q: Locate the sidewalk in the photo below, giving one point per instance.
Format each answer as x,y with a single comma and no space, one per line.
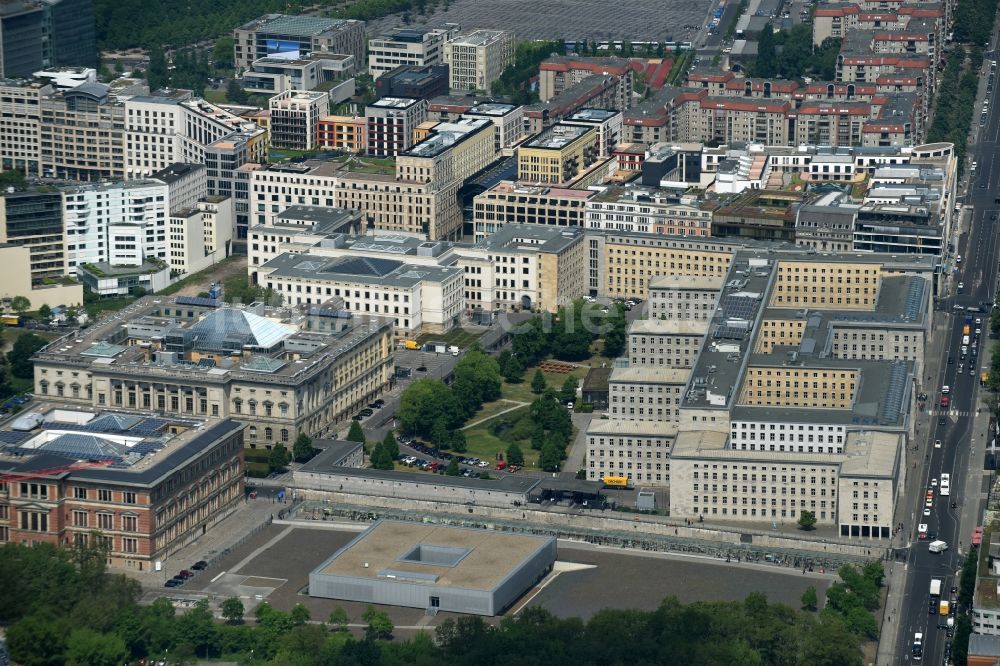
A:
231,529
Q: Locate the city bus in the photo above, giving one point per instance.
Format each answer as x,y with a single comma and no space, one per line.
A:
616,481
945,486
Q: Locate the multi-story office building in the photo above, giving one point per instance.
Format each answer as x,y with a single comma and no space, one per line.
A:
33,218
558,155
391,122
509,201
200,236
298,229
607,122
296,36
223,159
35,34
274,75
294,118
508,119
20,125
476,59
119,223
408,47
415,300
679,297
82,134
648,210
636,449
265,368
170,482
416,81
187,184
665,343
638,393
346,133
558,74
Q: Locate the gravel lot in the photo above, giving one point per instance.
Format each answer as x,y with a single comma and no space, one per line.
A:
643,20
643,580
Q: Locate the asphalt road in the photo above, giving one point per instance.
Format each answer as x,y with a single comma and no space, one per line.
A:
980,250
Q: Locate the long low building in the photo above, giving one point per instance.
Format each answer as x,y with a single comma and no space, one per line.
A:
434,567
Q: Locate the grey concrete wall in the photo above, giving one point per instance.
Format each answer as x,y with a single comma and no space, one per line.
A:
600,523
403,490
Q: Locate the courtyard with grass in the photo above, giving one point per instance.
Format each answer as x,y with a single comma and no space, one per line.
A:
488,438
459,337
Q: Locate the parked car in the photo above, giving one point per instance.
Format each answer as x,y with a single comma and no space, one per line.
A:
172,583
185,574
200,565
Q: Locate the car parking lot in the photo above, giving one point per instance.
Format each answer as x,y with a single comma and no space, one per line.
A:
420,456
645,20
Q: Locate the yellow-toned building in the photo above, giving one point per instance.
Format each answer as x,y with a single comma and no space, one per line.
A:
557,155
346,133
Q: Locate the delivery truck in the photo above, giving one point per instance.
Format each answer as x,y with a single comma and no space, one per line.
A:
411,344
937,546
935,587
944,608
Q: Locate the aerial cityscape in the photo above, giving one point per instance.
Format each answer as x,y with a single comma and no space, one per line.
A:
465,332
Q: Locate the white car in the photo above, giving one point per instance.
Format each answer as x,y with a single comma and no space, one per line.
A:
927,512
933,483
483,463
922,529
937,443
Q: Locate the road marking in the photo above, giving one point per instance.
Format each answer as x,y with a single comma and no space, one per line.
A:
217,577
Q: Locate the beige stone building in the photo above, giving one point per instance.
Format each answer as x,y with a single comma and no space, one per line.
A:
558,155
476,59
280,372
640,393
684,297
509,201
665,343
637,450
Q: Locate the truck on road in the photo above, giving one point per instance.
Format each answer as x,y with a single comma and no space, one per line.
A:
918,646
937,546
944,608
935,587
411,344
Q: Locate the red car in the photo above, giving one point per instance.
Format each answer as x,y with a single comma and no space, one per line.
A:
945,401
501,465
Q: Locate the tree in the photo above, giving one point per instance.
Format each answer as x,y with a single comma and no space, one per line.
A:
222,52
157,75
12,178
279,457
45,312
232,610
20,304
807,520
390,445
538,382
19,356
300,614
37,640
197,627
766,64
550,459
452,469
514,455
440,435
424,403
567,393
339,619
86,647
476,379
810,600
302,449
379,625
235,92
457,441
356,434
380,458
513,370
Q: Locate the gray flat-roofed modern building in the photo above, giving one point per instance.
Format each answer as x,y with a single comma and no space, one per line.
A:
438,568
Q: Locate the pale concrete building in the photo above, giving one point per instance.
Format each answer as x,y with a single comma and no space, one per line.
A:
639,393
637,450
407,46
294,118
683,297
510,201
476,59
295,36
665,343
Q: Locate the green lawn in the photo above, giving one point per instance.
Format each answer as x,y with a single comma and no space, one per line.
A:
216,96
199,277
522,391
483,444
460,338
107,305
492,409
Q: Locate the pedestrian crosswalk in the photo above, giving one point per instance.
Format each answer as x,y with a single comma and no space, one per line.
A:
953,413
